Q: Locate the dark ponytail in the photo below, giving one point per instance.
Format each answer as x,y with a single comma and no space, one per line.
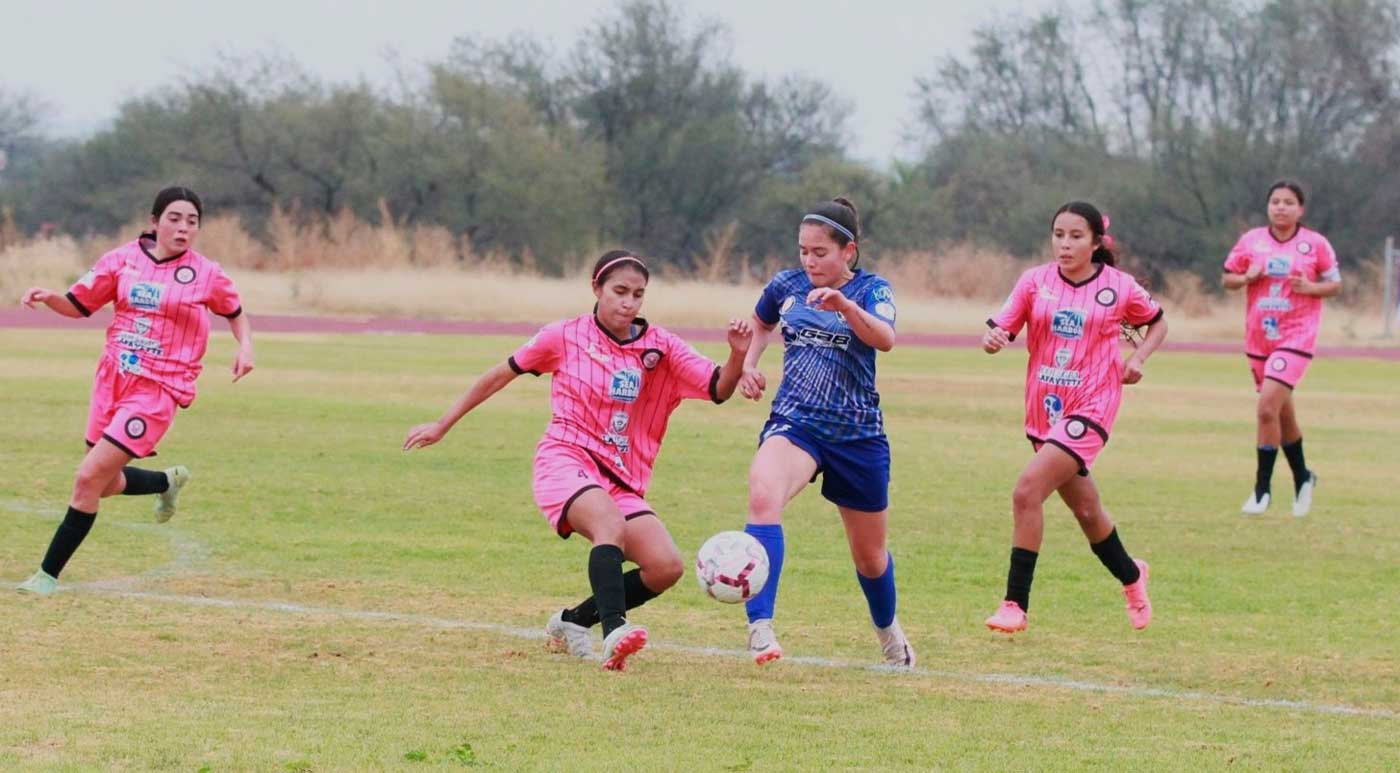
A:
1098,224
840,220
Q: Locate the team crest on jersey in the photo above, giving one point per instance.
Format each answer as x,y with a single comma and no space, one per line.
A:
651,358
129,362
619,421
1270,325
1304,248
787,304
1062,356
1054,409
135,427
146,295
141,325
1106,297
1076,429
1068,323
184,275
625,385
1278,265
617,437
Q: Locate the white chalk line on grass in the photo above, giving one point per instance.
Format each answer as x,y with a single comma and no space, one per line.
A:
189,551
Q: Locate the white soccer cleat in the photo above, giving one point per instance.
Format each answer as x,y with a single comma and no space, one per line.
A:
41,584
179,475
568,637
1302,500
763,643
1255,505
624,642
895,645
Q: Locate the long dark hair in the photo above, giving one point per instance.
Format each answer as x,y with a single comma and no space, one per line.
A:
1098,224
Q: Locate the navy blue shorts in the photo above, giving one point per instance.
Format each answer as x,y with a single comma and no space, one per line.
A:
855,473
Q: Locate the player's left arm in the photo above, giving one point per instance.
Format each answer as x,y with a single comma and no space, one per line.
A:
1329,276
1141,310
870,329
242,331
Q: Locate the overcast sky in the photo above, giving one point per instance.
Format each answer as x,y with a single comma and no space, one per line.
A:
83,58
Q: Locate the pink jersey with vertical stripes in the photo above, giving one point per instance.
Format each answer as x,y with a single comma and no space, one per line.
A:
613,398
161,326
1075,367
1275,317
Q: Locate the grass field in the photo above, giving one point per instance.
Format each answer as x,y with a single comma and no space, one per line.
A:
324,601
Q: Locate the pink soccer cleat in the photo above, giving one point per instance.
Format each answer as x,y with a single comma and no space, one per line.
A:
1010,618
1139,606
621,644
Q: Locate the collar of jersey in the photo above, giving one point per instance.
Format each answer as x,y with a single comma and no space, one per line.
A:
141,242
1297,229
640,322
1091,277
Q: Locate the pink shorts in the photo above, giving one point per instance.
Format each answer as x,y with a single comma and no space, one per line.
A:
130,412
1285,366
563,472
1080,437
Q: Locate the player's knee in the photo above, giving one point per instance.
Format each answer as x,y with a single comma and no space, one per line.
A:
89,481
664,573
1268,412
870,562
765,502
1086,515
1025,497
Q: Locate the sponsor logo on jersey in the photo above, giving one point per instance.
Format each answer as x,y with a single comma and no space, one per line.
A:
146,295
885,309
1275,300
1068,323
625,385
1046,292
135,427
1054,409
140,343
129,362
882,294
1106,297
1058,376
617,437
810,336
1278,265
1270,328
787,304
184,275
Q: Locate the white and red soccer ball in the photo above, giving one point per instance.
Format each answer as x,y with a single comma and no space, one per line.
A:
731,567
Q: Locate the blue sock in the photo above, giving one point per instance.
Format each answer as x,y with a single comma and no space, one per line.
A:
879,594
770,536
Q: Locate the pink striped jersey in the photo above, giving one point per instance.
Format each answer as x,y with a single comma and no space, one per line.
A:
161,328
614,397
1276,318
1075,367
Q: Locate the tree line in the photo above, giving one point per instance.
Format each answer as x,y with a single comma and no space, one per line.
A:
1174,115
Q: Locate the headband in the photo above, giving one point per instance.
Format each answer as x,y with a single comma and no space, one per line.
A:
614,262
824,219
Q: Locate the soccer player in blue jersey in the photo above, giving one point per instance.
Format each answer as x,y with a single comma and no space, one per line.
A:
826,416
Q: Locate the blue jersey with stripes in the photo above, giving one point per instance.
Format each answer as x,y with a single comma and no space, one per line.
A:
828,382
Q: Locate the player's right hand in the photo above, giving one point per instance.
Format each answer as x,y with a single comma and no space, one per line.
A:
35,296
995,340
423,436
752,383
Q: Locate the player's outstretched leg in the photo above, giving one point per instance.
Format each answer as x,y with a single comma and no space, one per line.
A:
177,477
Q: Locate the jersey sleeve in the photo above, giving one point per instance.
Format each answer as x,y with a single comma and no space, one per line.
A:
543,353
98,287
696,375
1237,262
1327,268
880,302
769,306
1013,313
1140,308
223,296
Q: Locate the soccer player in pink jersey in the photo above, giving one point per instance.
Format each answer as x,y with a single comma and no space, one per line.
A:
616,380
1075,311
162,292
1287,270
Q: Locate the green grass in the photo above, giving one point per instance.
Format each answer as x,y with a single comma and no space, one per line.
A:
302,496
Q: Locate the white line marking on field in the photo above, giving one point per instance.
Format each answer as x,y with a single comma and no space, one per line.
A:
189,551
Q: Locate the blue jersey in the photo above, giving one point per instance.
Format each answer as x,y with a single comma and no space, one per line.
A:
828,382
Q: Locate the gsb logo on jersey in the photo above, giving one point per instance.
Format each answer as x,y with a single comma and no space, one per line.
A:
814,337
1068,323
626,385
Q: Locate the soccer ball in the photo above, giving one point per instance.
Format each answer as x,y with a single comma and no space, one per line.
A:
731,567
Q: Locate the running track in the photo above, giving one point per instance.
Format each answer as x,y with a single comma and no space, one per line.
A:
278,323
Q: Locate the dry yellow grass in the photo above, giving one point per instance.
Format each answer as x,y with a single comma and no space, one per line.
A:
352,268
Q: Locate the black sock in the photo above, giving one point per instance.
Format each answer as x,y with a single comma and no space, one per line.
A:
139,481
1018,580
1113,556
635,593
1293,452
71,533
605,575
1264,473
